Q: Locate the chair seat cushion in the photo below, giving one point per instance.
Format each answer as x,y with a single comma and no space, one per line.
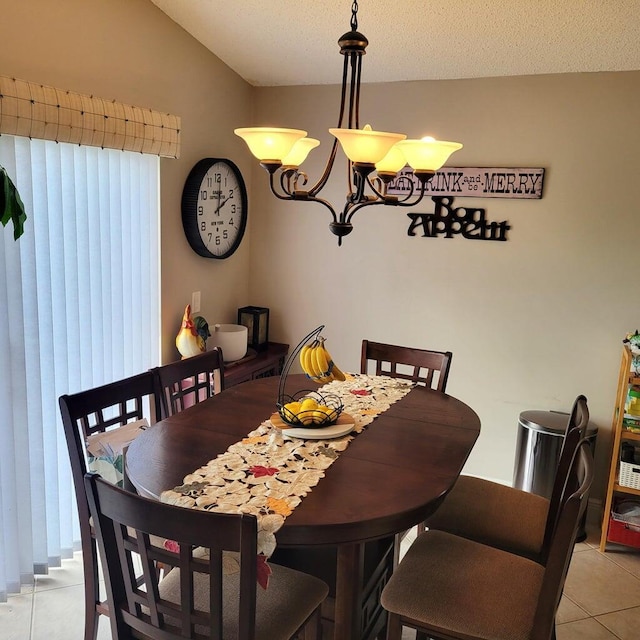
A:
281,609
451,583
494,514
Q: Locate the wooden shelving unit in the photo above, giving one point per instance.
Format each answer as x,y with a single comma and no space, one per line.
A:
625,379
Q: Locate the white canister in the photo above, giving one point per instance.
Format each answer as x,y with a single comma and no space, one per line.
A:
232,339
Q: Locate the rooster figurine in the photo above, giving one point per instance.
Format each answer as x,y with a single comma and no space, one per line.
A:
188,341
202,328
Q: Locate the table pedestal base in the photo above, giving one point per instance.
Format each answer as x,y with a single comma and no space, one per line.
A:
356,575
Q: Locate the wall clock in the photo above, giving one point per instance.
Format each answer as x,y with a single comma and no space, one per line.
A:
214,208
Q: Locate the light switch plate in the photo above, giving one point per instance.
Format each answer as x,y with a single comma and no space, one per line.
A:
195,302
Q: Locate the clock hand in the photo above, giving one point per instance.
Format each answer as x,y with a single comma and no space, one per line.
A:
218,196
221,204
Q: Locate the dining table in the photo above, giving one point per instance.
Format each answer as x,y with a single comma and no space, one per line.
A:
392,476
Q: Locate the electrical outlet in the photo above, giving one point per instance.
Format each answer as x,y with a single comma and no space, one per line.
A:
195,302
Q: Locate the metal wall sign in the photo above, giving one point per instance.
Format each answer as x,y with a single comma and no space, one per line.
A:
475,182
448,221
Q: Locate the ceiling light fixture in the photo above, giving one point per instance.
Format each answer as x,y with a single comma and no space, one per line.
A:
282,151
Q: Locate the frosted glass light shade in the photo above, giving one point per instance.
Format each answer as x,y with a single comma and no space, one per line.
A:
270,144
365,145
427,154
300,151
392,162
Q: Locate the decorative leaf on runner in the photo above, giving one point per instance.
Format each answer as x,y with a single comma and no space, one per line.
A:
263,571
258,471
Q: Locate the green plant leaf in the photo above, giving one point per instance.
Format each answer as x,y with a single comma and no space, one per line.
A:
11,206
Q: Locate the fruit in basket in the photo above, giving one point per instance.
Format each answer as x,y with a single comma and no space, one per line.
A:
290,411
328,413
318,364
306,415
308,411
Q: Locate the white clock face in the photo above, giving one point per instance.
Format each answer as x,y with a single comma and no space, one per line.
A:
220,210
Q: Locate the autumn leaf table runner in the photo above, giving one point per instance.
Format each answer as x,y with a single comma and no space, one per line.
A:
268,475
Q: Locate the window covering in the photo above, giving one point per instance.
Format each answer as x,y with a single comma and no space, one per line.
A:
38,111
79,307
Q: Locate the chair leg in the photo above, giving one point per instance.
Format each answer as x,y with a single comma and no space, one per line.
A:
91,594
314,632
90,621
394,627
313,629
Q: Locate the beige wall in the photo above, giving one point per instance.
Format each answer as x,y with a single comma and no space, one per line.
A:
130,51
532,322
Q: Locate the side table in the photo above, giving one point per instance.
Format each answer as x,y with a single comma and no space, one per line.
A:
256,364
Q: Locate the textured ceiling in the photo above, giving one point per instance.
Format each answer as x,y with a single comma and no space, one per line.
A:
293,42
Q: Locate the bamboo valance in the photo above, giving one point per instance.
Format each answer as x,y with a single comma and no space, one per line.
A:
37,111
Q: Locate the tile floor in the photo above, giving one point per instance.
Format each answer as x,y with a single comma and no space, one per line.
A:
601,600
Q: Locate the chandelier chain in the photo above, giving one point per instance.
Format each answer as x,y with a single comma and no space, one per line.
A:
354,15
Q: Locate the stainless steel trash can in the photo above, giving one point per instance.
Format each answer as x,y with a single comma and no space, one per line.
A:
540,437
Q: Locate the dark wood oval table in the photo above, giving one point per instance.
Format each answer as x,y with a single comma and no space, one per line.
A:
390,478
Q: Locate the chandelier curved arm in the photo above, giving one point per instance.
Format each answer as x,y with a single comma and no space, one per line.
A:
366,201
378,186
410,199
295,194
291,179
407,200
327,170
325,203
348,214
286,194
334,148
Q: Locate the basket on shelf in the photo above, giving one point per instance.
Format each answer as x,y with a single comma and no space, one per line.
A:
623,533
624,523
629,475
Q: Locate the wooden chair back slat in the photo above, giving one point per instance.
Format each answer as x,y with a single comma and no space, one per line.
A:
140,607
575,432
190,381
419,365
573,504
85,414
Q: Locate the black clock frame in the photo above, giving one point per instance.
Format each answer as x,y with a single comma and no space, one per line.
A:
189,207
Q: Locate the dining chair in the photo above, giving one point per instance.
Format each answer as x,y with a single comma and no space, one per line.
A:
85,414
452,588
409,363
189,381
210,590
505,517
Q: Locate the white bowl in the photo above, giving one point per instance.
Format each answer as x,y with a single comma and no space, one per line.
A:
232,339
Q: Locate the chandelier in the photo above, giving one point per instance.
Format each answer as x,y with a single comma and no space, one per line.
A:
375,157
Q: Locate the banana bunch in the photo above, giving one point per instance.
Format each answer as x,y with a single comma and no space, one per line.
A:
317,363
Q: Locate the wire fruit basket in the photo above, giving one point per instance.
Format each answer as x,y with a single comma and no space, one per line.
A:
306,408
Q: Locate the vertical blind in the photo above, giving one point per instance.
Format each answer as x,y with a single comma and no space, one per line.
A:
79,307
